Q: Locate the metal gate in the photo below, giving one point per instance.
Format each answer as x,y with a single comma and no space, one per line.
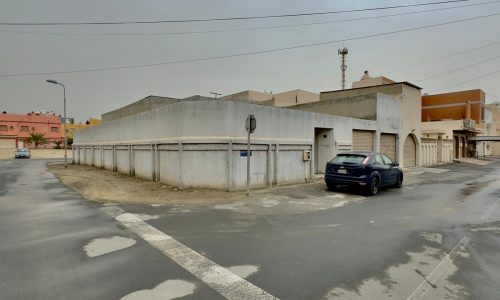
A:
362,140
388,145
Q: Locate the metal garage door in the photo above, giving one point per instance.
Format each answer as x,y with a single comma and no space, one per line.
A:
7,143
388,145
410,152
362,140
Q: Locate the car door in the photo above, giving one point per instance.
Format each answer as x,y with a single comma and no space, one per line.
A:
393,171
384,170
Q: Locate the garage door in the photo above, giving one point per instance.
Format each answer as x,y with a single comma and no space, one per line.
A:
410,152
388,145
7,143
362,140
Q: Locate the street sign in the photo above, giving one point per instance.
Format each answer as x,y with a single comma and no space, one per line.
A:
251,123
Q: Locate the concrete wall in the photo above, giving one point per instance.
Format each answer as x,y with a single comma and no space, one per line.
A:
200,143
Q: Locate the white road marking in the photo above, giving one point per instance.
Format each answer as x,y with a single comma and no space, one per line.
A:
226,283
490,211
433,276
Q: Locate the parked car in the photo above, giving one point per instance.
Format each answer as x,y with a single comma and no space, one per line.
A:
22,153
368,170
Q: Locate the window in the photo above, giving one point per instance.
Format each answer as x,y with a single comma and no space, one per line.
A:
348,159
3,128
377,160
54,129
25,129
387,160
482,113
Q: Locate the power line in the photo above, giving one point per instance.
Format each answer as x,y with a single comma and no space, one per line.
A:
459,69
448,56
250,53
467,81
247,28
226,19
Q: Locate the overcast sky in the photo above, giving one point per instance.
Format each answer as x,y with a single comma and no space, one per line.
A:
39,49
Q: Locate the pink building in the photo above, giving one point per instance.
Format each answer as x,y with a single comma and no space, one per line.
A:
16,128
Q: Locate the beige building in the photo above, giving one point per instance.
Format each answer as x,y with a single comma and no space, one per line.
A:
283,99
367,80
366,102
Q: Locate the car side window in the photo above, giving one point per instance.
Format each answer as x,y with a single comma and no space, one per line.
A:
377,160
387,160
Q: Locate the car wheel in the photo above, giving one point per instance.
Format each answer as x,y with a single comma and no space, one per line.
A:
374,186
399,183
331,186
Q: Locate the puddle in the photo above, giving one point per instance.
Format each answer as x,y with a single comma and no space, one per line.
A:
231,206
101,246
335,196
146,217
493,229
432,237
341,203
401,281
170,289
269,202
244,271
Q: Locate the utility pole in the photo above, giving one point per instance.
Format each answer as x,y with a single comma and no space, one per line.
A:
343,66
215,94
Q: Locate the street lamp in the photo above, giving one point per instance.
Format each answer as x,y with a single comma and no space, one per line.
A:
64,92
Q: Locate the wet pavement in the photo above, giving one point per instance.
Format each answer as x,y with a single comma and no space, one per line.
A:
436,238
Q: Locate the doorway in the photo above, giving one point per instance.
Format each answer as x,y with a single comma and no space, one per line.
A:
323,148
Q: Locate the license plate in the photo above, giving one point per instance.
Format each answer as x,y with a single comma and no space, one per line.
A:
342,171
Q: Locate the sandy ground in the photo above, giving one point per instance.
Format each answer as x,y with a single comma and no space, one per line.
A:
37,153
106,186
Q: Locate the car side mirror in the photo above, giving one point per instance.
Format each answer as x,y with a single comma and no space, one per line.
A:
395,164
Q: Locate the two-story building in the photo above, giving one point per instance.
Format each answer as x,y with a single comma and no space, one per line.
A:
456,116
16,128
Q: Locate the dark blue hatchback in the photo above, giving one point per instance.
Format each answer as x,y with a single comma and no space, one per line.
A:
368,170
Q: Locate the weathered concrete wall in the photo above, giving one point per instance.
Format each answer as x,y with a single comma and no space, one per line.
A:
199,143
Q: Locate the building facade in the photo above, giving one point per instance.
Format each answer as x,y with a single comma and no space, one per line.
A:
363,103
201,142
16,128
458,116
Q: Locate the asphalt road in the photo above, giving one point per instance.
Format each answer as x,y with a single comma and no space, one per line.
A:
437,238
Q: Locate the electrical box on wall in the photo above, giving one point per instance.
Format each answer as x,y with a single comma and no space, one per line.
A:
307,155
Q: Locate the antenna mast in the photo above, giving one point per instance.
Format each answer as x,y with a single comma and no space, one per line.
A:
343,66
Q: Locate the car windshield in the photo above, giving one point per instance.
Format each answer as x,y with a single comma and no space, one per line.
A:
348,159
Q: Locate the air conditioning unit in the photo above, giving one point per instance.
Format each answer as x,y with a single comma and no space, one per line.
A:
469,123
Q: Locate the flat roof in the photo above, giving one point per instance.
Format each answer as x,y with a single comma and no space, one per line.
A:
367,87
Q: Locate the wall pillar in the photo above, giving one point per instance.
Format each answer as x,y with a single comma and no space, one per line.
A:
113,151
181,182
230,166
276,161
269,166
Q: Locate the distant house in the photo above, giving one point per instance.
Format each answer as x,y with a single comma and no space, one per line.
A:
458,116
16,128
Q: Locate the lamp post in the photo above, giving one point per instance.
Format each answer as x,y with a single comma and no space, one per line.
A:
65,120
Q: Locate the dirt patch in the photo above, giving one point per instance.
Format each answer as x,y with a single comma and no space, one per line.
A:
106,186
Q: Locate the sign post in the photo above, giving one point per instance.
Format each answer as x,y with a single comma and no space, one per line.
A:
251,124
